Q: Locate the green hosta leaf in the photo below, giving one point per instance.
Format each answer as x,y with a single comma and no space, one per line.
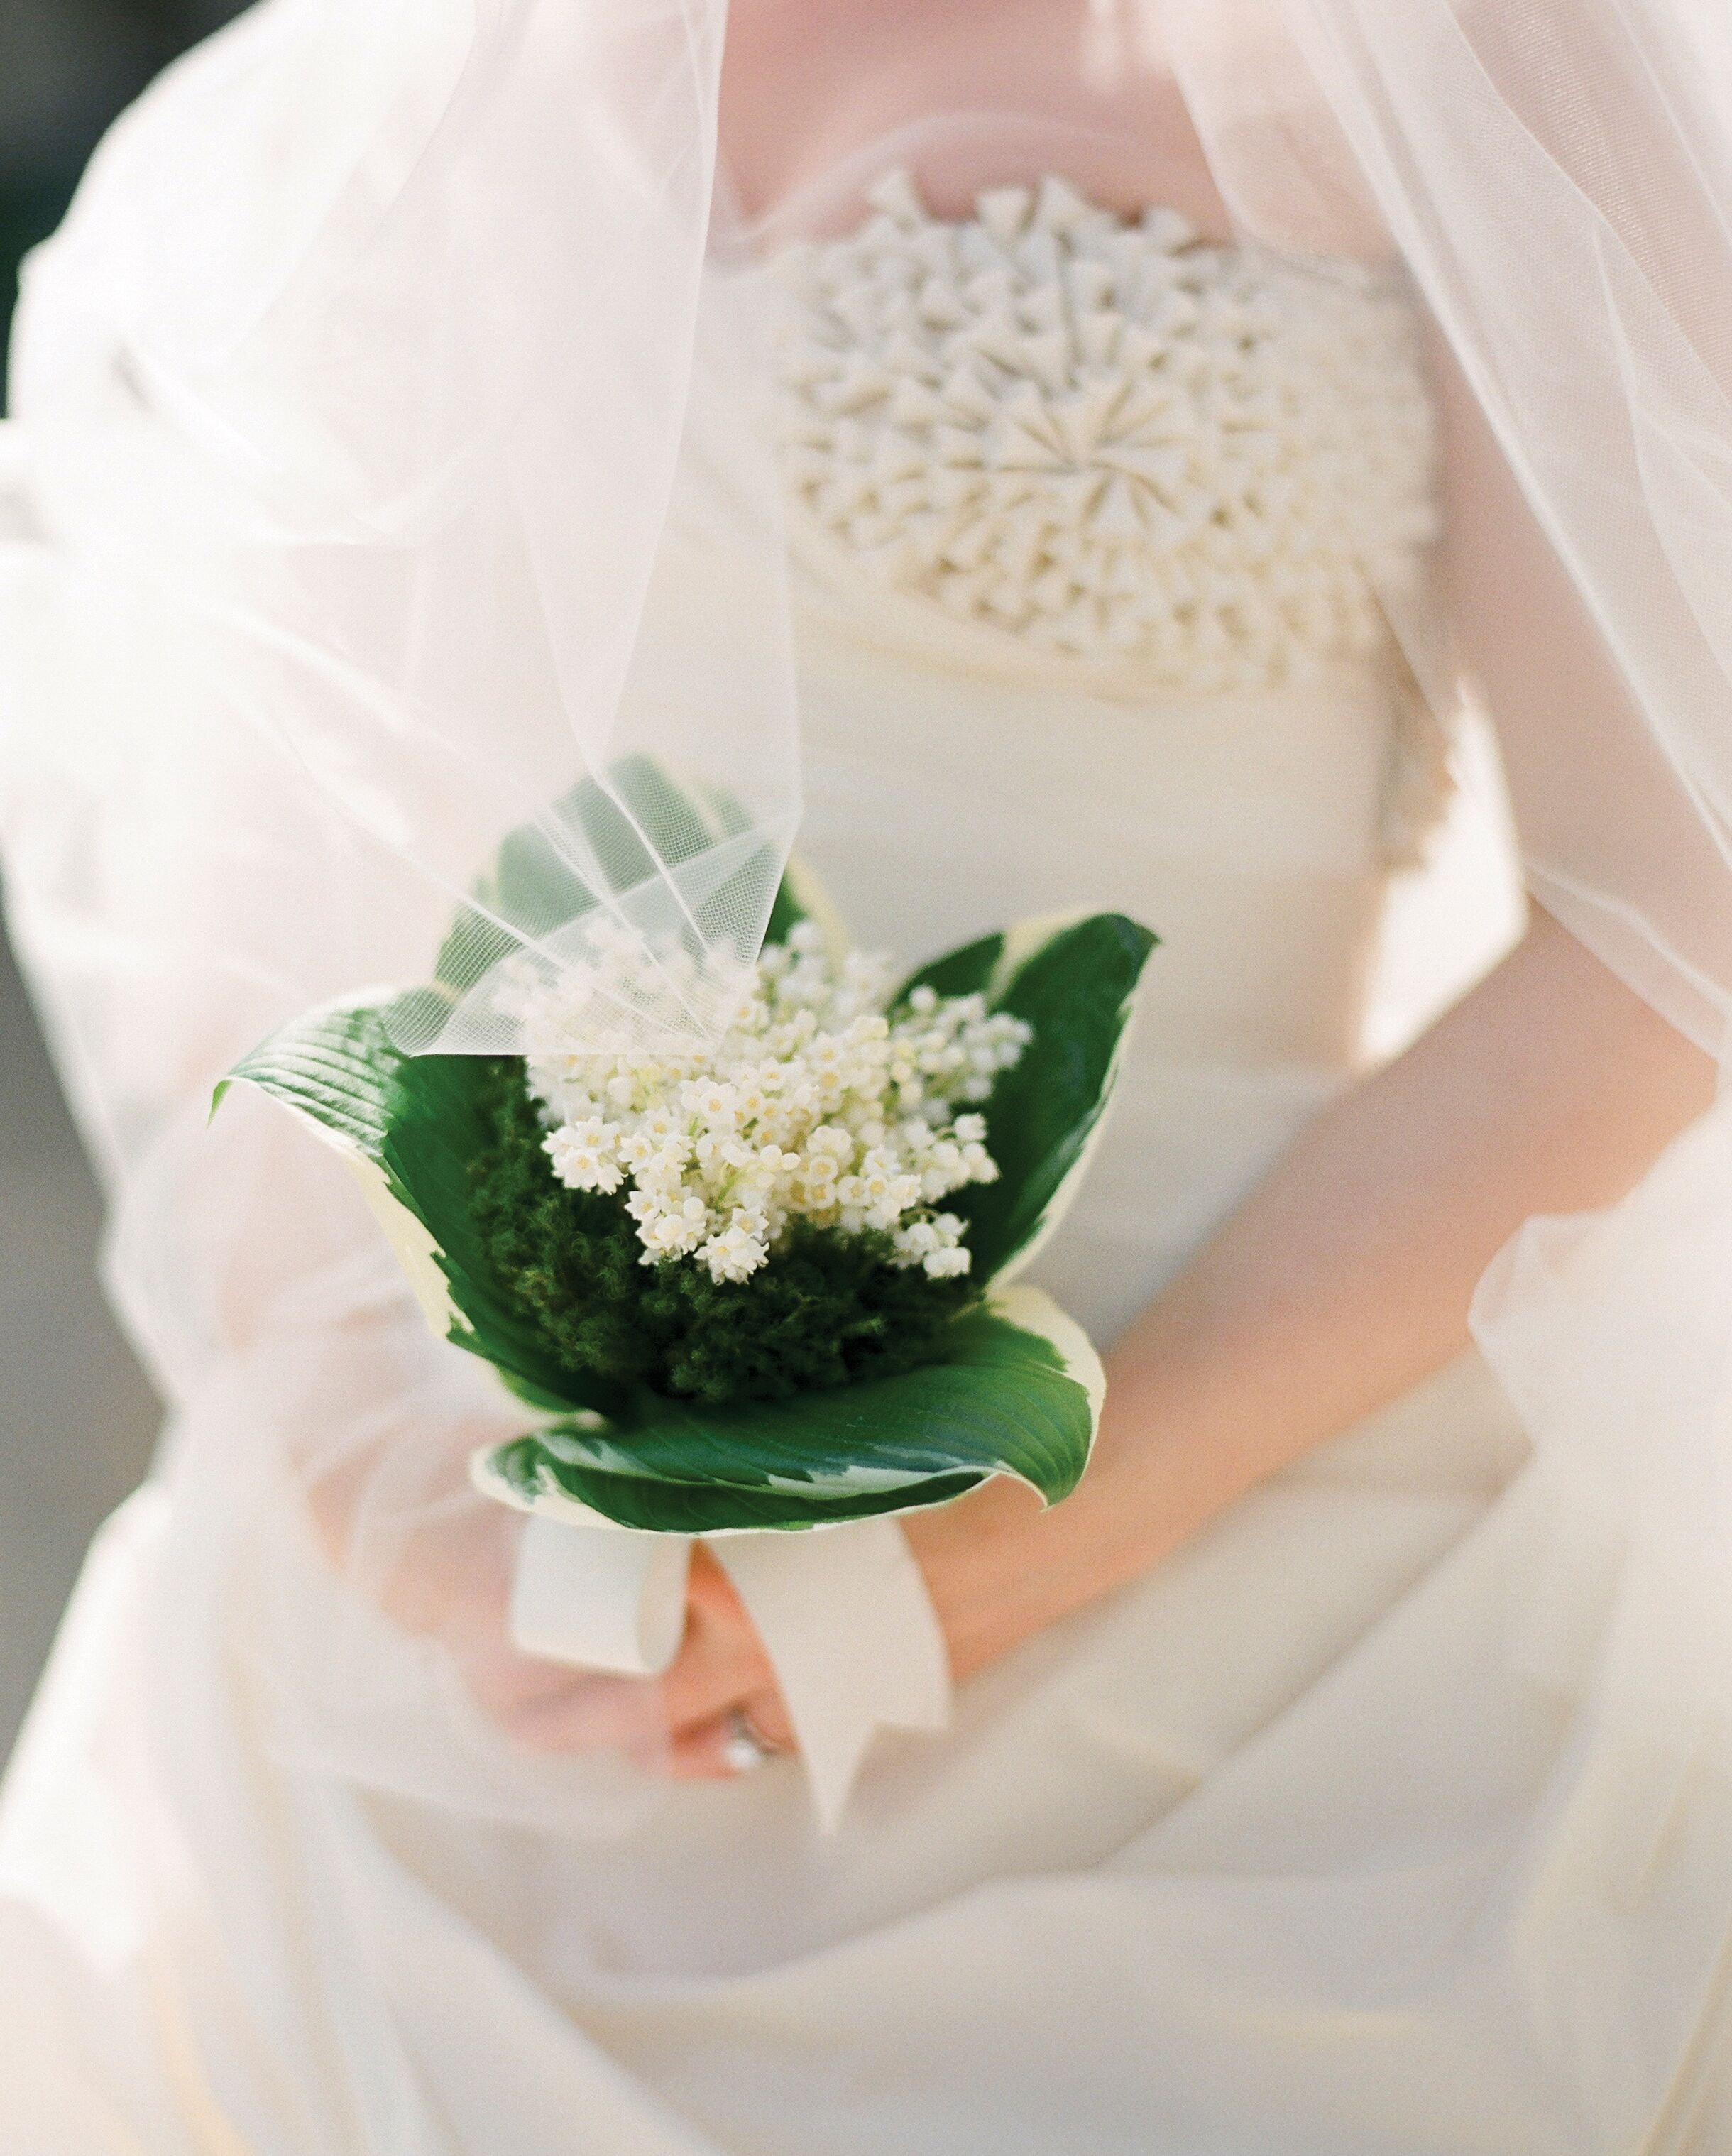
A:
1019,1393
800,896
1075,981
970,971
519,1473
410,1126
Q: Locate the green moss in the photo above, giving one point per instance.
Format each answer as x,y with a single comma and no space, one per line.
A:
829,1310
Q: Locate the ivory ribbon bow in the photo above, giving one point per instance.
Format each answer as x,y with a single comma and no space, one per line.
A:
843,1612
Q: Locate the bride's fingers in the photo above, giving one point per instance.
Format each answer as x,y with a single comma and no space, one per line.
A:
580,1713
712,1673
721,1659
506,1684
720,1664
769,1717
554,1708
592,1714
706,1753
631,1714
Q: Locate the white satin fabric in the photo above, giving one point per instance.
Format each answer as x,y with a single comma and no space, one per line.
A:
1337,1833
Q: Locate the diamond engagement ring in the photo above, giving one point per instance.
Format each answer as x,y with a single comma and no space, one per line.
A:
745,1747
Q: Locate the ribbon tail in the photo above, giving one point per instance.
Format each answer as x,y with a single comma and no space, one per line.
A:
850,1630
602,1597
843,1613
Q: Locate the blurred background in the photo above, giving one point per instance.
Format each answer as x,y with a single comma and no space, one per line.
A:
77,1419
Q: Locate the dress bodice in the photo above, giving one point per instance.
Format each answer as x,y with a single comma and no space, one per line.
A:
1094,531
1108,440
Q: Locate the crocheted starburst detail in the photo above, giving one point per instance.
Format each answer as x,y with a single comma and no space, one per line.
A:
1108,439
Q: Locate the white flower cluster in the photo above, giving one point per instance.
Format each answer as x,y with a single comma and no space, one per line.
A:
817,1105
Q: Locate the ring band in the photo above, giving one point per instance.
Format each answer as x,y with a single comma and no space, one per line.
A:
745,1748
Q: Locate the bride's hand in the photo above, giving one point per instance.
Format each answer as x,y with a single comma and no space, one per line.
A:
448,1578
998,1572
720,1678
685,1724
402,1525
998,1567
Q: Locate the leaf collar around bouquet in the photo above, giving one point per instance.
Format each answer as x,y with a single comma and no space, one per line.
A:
1015,1389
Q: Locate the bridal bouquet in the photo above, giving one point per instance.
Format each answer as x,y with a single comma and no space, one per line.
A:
769,1285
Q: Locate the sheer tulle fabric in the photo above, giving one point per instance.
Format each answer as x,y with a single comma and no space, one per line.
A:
1558,178
351,399
377,385
1595,326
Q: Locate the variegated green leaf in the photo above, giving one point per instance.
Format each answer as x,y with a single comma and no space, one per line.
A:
410,1126
1017,1393
1074,981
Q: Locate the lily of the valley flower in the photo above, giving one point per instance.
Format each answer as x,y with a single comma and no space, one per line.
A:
821,1103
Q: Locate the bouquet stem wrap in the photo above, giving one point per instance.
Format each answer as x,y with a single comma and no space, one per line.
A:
843,1613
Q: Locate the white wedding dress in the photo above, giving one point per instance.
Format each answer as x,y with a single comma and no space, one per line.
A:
1318,1841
